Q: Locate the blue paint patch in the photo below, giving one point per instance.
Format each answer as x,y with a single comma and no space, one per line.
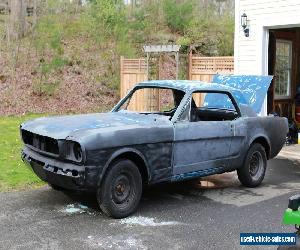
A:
195,174
253,88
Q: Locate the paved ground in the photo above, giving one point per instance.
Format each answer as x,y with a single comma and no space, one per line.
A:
290,152
198,215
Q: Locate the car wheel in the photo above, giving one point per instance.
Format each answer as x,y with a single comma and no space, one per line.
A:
121,189
252,173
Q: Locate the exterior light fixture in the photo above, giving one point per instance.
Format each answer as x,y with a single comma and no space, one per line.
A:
244,24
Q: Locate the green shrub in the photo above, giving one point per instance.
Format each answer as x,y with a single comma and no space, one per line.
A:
45,88
178,14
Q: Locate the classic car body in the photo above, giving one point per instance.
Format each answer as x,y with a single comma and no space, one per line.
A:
75,152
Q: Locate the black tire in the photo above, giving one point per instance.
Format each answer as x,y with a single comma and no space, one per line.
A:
252,173
121,189
55,187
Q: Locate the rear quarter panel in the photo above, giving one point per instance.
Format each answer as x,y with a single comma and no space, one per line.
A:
273,129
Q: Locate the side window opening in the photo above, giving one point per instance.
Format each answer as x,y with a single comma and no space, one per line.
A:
212,106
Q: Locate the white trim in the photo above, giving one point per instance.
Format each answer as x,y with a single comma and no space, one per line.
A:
262,44
265,63
236,36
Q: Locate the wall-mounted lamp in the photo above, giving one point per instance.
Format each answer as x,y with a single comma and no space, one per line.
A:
244,24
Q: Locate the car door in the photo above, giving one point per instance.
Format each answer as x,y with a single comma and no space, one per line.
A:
201,145
238,145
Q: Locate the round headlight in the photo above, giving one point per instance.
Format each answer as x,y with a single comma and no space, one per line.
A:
77,152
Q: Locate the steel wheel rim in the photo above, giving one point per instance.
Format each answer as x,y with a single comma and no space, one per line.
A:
256,165
123,190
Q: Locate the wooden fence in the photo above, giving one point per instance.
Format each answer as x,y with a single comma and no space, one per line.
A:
134,71
204,68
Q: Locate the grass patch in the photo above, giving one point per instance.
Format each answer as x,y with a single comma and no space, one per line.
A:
46,89
14,174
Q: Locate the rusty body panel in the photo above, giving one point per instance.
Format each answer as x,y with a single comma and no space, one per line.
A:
76,151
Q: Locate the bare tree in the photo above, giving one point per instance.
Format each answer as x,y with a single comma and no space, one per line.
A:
34,12
17,19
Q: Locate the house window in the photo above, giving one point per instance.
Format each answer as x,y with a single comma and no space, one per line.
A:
283,69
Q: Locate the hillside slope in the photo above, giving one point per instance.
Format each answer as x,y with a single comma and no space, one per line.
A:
68,61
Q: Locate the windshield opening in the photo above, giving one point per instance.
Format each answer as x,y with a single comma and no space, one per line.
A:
162,101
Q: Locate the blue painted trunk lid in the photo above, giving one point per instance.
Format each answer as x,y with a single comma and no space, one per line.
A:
253,87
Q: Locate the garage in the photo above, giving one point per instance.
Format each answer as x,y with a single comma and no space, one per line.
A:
267,42
284,48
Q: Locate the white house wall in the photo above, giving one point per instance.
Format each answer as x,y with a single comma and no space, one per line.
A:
251,52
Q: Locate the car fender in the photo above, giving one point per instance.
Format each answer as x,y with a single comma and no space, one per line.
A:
116,154
260,135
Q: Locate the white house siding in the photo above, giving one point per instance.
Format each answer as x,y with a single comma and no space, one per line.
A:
251,53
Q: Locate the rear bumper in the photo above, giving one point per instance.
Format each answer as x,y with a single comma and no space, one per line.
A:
62,174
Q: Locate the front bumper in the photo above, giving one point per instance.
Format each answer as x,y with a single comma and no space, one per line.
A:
62,174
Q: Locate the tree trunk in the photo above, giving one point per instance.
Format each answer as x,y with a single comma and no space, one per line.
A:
17,19
34,12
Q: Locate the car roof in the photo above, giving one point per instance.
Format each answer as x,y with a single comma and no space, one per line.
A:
187,86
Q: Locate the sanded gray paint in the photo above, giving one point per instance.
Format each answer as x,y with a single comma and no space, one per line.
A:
167,150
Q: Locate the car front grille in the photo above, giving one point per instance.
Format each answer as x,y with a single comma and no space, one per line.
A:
42,143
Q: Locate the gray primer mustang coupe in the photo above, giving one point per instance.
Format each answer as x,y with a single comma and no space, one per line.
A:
192,129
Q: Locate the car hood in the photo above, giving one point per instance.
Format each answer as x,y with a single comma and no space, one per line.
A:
253,88
61,127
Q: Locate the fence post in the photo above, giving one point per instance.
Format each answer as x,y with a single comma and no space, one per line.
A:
121,77
190,64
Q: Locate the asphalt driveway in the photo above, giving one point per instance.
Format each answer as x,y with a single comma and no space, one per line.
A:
206,214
